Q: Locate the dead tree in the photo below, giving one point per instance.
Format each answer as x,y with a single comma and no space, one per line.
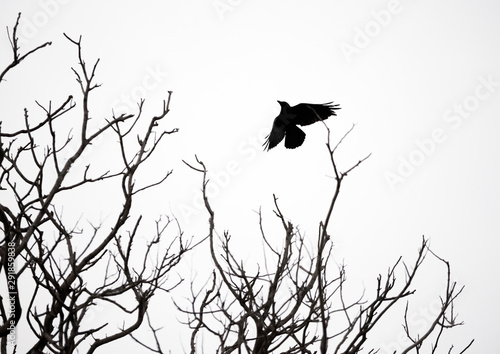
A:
292,304
57,273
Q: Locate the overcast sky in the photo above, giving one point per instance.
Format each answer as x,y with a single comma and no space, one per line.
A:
420,79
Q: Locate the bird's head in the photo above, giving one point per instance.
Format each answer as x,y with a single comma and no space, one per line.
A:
283,104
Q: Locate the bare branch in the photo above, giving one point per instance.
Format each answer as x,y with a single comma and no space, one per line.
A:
15,49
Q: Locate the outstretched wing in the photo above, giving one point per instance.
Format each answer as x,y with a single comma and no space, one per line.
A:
309,113
276,135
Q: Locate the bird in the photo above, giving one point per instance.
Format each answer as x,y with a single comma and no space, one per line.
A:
285,124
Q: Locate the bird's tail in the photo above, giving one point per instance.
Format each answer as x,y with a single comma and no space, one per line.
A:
294,137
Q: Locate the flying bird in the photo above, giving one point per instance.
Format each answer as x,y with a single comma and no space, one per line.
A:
285,124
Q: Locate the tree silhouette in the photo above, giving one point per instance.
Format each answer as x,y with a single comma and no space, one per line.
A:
64,271
293,304
57,271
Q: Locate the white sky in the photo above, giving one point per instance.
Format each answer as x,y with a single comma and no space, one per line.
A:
405,72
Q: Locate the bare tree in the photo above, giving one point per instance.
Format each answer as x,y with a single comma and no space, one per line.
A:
292,304
58,272
61,270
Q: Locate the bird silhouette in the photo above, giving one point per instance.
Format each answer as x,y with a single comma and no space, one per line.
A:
285,124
